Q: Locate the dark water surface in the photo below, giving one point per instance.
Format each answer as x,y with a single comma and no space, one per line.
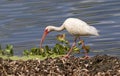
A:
22,22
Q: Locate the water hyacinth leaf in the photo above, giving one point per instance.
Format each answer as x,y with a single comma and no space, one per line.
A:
26,52
62,49
66,47
66,42
61,37
9,46
79,43
38,51
42,52
48,50
9,50
59,49
76,49
55,50
34,51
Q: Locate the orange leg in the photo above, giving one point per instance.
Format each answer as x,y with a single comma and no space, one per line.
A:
73,45
85,50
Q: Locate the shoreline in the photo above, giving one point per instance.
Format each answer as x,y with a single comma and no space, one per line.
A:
98,65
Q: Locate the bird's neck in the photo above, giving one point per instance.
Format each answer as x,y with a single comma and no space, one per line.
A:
59,28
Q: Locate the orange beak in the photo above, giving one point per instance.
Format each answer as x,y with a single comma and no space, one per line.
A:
43,37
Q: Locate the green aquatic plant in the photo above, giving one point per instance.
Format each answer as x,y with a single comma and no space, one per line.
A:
35,51
8,51
26,52
60,48
62,38
64,46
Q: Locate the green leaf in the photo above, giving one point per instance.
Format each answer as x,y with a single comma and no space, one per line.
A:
9,50
66,42
26,52
79,43
76,49
61,37
42,52
55,50
47,49
35,51
61,49
9,46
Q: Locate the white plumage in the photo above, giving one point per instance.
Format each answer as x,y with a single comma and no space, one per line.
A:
75,27
78,27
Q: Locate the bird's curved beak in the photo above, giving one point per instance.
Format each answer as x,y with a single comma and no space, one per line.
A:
43,37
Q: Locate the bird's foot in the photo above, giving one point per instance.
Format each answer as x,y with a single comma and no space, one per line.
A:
67,56
86,57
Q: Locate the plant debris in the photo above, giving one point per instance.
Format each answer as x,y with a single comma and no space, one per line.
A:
99,65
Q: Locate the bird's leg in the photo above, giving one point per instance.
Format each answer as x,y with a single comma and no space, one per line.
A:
85,50
73,45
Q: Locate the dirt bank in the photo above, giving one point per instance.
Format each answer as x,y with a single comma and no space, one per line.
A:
100,65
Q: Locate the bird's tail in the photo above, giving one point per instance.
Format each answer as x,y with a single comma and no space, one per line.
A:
93,31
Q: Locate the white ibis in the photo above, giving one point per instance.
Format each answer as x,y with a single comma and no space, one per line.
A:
75,27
